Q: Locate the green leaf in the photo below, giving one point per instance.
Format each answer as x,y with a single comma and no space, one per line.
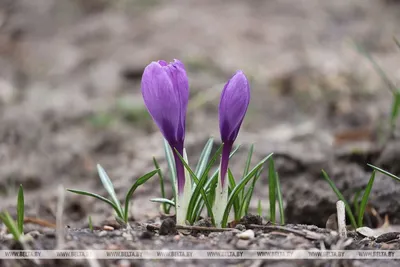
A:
341,197
20,210
395,109
356,202
171,165
163,200
108,186
272,189
214,176
248,161
10,224
377,68
249,194
195,205
239,187
204,157
236,202
280,199
384,172
90,223
202,192
138,183
259,208
161,179
109,202
364,199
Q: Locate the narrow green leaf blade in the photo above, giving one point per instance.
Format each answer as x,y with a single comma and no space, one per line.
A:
272,190
109,202
259,208
10,224
236,202
395,108
108,186
138,183
20,210
384,172
204,157
280,199
364,199
250,191
240,186
341,197
202,192
163,200
161,179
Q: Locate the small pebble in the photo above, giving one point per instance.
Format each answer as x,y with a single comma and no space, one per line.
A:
108,228
177,237
246,235
103,233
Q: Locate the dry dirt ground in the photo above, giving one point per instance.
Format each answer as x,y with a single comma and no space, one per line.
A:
70,98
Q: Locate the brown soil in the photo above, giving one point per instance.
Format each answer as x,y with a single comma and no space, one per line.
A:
69,98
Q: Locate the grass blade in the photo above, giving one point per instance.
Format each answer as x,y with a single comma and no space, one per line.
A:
341,197
247,165
90,223
259,208
377,68
204,157
246,200
171,165
239,187
236,202
384,172
161,177
272,190
195,207
395,109
364,199
20,210
109,202
138,183
164,201
108,186
280,199
356,202
10,224
198,186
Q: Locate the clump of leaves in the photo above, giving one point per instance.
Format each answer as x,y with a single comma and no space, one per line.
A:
16,228
122,213
205,181
359,205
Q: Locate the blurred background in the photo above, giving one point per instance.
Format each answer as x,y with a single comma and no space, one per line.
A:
70,96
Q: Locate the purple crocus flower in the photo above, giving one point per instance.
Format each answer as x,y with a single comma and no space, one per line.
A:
165,90
235,99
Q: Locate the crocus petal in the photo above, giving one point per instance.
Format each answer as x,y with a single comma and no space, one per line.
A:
235,99
161,100
177,73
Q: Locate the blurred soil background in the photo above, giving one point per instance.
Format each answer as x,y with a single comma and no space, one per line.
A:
70,97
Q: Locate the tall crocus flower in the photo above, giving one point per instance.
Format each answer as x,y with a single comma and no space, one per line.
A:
233,105
165,90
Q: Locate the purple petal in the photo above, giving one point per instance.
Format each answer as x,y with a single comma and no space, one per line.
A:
161,100
235,99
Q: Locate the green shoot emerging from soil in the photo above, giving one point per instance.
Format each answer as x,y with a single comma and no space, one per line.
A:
122,213
359,206
16,228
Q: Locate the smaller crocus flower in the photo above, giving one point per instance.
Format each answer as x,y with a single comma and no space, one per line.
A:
165,90
235,99
233,105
